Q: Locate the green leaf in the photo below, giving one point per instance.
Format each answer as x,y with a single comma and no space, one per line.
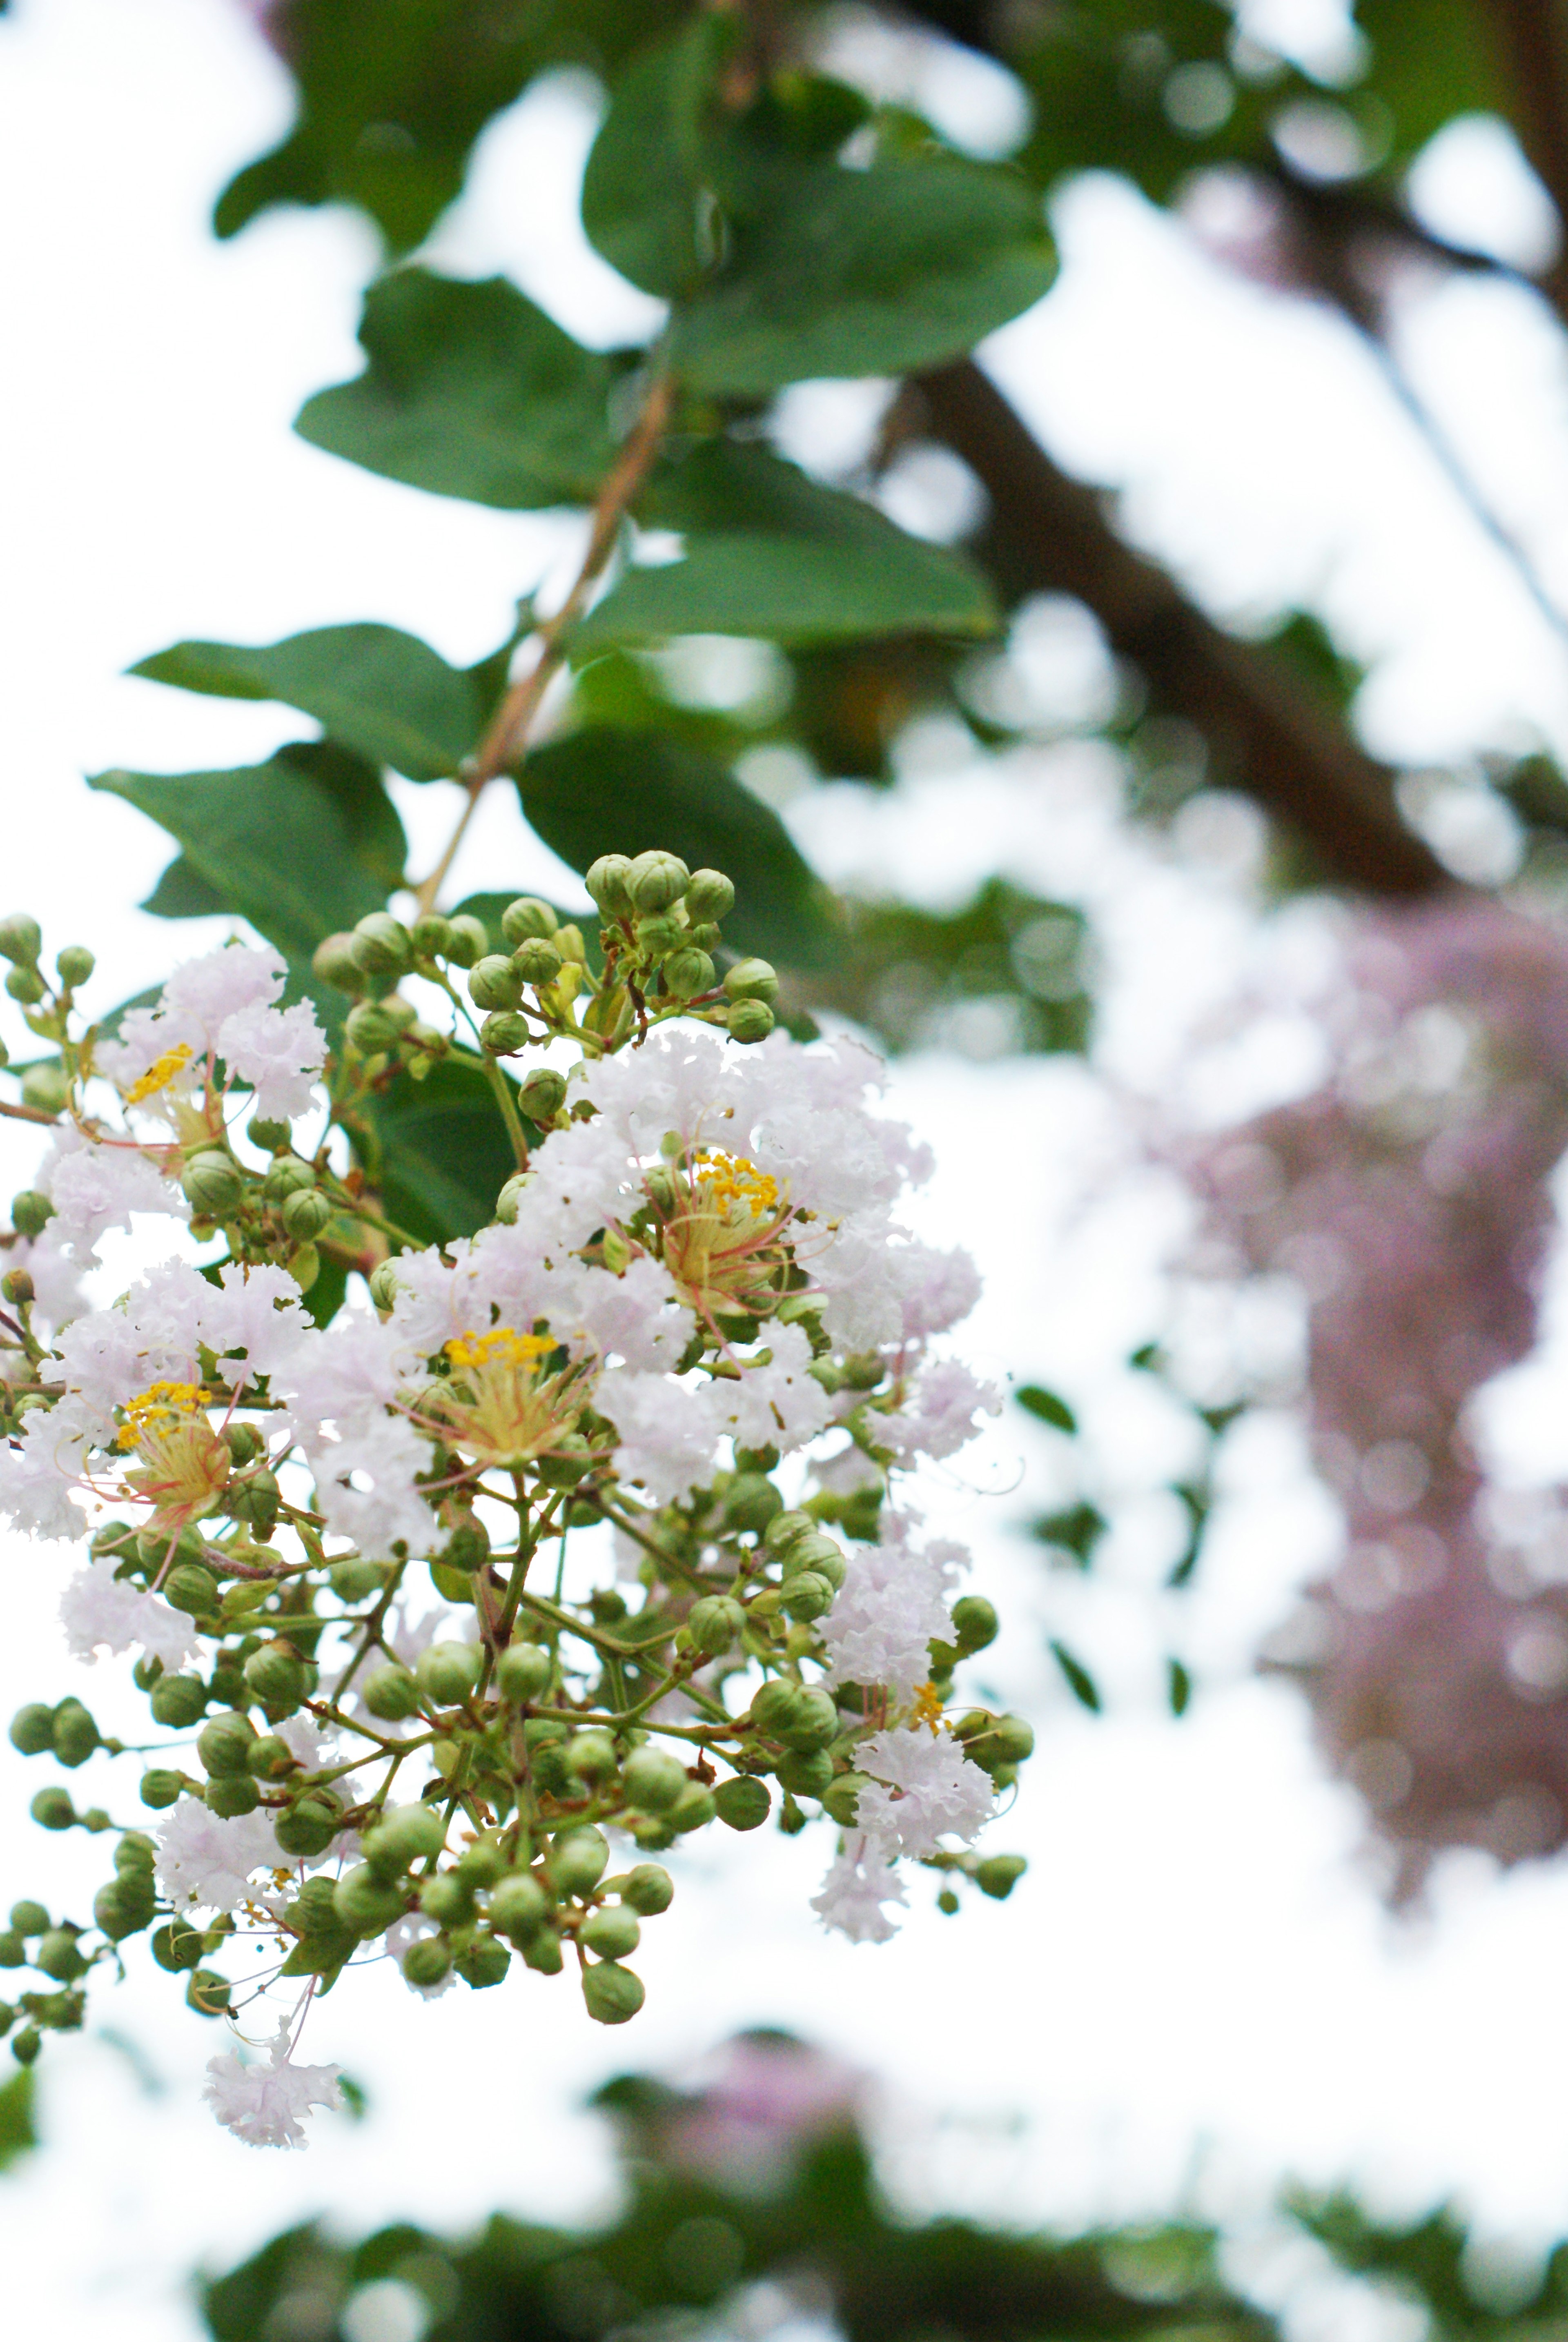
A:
382,693
1077,1530
1179,1687
443,1150
613,791
181,893
641,188
17,2133
302,845
1080,1682
470,391
1197,1506
906,969
1046,1407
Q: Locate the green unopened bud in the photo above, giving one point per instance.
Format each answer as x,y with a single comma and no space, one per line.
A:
45,1085
752,980
391,1694
33,1729
25,984
178,1700
806,1596
309,1827
382,945
225,1745
192,1589
787,1529
448,1900
494,983
28,1919
306,1215
212,1185
312,1912
21,939
519,1908
810,1723
974,1623
52,1809
256,1500
693,1810
27,2044
543,1094
431,936
450,1671
659,934
999,1874
814,1552
807,1774
177,1947
270,1759
17,1287
648,1890
426,1964
714,1622
336,962
75,964
383,1283
527,917
749,1021
542,1953
997,1740
947,1903
410,1834
287,1176
136,1852
31,1213
751,1501
606,881
653,1780
776,1706
522,1671
13,1950
243,1443
365,1903
59,1957
576,1861
709,894
610,1934
504,1032
278,1677
469,941
566,1463
742,1804
468,1546
656,881
207,1992
688,972
611,1993
842,1797
592,1756
231,1796
483,1964
160,1789
483,1864
370,1029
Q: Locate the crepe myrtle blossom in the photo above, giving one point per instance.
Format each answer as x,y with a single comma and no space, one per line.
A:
694,1286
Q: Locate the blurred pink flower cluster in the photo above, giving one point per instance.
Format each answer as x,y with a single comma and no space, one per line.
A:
1411,1196
751,2110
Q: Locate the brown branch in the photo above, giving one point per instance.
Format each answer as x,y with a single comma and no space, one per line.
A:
1532,37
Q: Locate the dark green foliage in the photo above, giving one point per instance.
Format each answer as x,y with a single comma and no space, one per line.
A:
17,2135
1046,1407
442,1152
1077,1529
1080,1682
905,966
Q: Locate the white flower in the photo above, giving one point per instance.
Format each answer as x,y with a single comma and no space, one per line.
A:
99,1614
892,1604
38,1471
204,1858
56,1277
777,1405
937,1288
939,1792
192,1009
668,1433
365,1485
263,2104
853,1896
938,1416
415,1928
279,1051
96,1187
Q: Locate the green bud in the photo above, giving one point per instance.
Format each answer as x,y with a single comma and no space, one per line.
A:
806,1776
526,917
450,1671
383,1284
648,1890
21,939
59,1957
25,984
522,1671
693,1810
192,1589
776,1706
709,894
391,1694
120,1910
407,1835
947,1903
576,1862
484,1962
606,881
160,1789
309,1827
519,1908
255,1500
511,1195
365,1903
504,1032
212,1185
272,1134
313,1911
336,962
688,972
270,1758
287,1176
46,1087
659,936
494,983
483,1864
610,1994
178,1700
177,1947
656,881
787,1529
52,1809
749,1021
610,1935
370,1029
752,980
1001,1740
427,1963
564,1466
592,1756
277,1676
714,1622
231,1794
17,1287
225,1745
653,1780
543,1094
33,1729
806,1596
243,1443
705,936
26,2045
537,961
842,1797
29,1918
816,1553
13,1950
742,1804
974,1623
306,1215
382,945
31,1213
468,1546
136,1852
751,1501
469,940
448,1900
813,1723
542,1953
431,936
207,1992
999,1874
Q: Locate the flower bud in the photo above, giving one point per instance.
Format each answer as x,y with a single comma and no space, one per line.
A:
648,1890
407,1835
21,939
526,919
59,1957
33,1729
469,941
31,1212
522,1671
225,1745
28,1919
483,1864
504,1032
45,1086
656,881
450,1671
192,1589
27,2044
255,1500
810,1723
25,984
787,1529
606,881
693,1810
688,972
807,1774
709,894
431,936
382,945
468,1546
427,1963
309,1827
659,936
207,1992
576,1862
543,1094
974,1623
494,983
391,1693
610,1934
370,1029
742,1804
336,962
178,1701
211,1184
160,1789
448,1900
74,1735
232,1795
567,1462
277,1676
806,1595
542,1953
13,1950
751,1501
592,1756
243,1443
999,1874
306,1215
841,1799
17,1287
611,1993
484,1963
312,1911
52,1809
1004,1740
270,1758
776,1706
749,1021
653,1780
714,1622
519,1908
752,980
815,1551
177,1947
365,1903
136,1852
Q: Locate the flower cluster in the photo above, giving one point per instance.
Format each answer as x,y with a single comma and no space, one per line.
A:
452,1567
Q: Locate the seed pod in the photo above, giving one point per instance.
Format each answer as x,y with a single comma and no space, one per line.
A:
59,1957
592,1756
787,1529
257,1499
528,917
309,1827
391,1693
813,1723
365,1902
656,881
749,1021
225,1745
484,1962
751,1501
192,1589
382,945
178,1700
611,1993
31,1212
493,983
519,1908
177,1947
693,1810
714,1622
653,1780
450,1671
688,972
160,1789
504,1032
841,1799
21,939
576,1862
709,894
427,1963
28,1919
278,1676
33,1729
610,1934
974,1623
806,1595
543,1094
336,961
407,1835
306,1215
648,1890
211,1184
606,881
207,1992
523,1671
271,1759
469,941
370,1029
999,1874
232,1795
742,1804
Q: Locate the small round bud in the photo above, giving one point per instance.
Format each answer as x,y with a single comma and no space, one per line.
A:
27,2044
841,1799
370,1029
352,1581
751,1501
191,1588
610,1994
33,1729
178,1700
177,1947
270,1758
749,1021
75,964
542,1953
59,1957
709,894
309,1827
31,1213
136,1852
273,1136
225,1745
537,961
688,972
576,1861
17,1288
504,1031
13,1950
742,1804
383,1284
999,1874
659,934
752,980
448,1900
20,938
483,1864
25,984
468,1546
494,983
450,1671
606,881
243,1443
511,1197
974,1623
278,1677
519,1908
160,1789
469,941
287,1176
52,1809
365,1903
653,1780
46,1087
787,1529
526,918
610,1934
28,1919
427,1963
431,936
391,1694
484,1963
231,1796
996,1740
382,945
522,1671
705,936
693,1810
207,1992
336,962
656,881
807,1774
306,1215
566,1465
806,1596
947,1903
815,1551
212,1184
813,1723
543,1094
776,1705
592,1756
648,1890
714,1622
256,1500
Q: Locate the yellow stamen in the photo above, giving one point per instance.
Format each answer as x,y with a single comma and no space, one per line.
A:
725,1180
160,1073
163,1406
927,1707
500,1346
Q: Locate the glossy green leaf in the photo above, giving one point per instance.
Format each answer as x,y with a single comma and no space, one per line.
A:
1046,1407
181,893
470,391
444,1152
613,791
641,188
378,691
1079,1681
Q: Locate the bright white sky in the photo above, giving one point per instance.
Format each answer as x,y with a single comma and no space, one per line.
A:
1196,1986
